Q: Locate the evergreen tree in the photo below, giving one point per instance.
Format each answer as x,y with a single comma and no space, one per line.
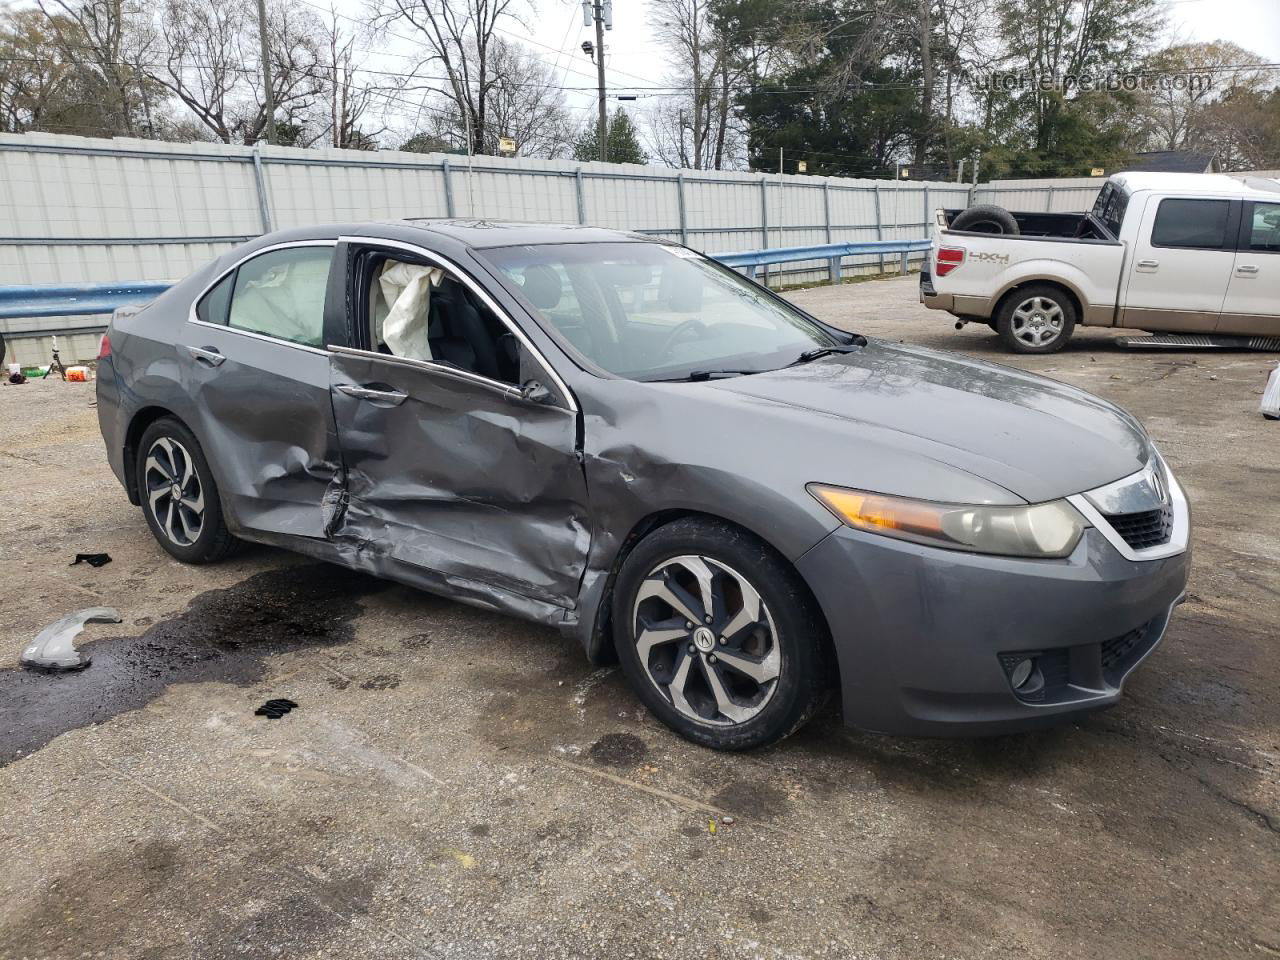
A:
624,143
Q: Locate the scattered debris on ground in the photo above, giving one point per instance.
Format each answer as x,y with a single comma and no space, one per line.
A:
275,709
54,650
92,559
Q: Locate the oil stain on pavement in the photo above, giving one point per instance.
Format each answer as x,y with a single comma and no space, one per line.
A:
223,636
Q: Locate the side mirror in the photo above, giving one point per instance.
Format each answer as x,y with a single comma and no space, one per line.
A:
534,392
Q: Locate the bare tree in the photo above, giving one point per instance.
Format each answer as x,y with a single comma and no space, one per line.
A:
697,129
113,39
204,56
213,64
459,37
1187,80
525,105
350,97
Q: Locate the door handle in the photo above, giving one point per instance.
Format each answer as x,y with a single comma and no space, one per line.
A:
1148,264
206,355
393,397
1248,268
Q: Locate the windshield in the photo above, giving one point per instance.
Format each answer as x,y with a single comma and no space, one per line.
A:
648,311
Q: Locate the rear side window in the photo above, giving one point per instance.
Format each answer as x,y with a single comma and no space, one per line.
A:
212,307
281,294
1194,224
1111,207
1264,228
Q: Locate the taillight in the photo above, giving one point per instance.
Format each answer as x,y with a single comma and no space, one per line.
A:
947,260
104,348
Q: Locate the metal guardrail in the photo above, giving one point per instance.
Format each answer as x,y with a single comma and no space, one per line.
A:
77,300
831,252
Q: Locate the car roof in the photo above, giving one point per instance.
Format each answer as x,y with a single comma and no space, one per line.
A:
1193,183
511,233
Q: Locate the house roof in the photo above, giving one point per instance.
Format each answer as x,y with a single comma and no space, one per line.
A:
1172,161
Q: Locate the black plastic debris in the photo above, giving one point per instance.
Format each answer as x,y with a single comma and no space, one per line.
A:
53,649
92,559
275,709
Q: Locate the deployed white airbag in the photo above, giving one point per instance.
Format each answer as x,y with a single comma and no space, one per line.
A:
406,288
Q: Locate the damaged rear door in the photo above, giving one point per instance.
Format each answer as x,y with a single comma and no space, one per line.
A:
255,365
472,476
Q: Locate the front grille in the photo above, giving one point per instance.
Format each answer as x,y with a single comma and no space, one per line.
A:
1150,528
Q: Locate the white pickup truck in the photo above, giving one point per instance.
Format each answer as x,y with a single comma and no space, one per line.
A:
1184,253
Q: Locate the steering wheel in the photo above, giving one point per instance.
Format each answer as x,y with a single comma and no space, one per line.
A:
682,329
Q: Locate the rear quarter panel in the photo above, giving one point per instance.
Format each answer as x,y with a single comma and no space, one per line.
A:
145,370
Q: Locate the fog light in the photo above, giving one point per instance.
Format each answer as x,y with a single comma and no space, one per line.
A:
1022,672
1026,677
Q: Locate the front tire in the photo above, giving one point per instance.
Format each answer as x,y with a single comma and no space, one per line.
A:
718,636
179,496
1038,318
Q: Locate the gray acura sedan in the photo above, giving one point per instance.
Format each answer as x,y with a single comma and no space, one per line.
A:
623,439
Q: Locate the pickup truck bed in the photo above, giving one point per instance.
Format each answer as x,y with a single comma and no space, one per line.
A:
1060,226
1182,253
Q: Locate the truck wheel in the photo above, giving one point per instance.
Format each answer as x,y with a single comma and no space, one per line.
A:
986,218
1036,319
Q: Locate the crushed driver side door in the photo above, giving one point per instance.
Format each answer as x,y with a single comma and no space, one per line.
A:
461,476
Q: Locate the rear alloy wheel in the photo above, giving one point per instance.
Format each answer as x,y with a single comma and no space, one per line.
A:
179,496
718,636
1037,319
172,490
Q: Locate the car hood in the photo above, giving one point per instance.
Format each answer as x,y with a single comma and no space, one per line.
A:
1035,437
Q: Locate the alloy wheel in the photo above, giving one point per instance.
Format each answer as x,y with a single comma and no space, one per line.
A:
1037,321
172,488
706,640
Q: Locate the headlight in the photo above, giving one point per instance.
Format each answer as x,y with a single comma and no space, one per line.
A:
1038,530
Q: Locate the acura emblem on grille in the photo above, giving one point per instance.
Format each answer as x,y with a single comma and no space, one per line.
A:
1158,485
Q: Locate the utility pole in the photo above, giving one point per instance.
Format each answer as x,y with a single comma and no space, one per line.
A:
601,11
780,171
266,73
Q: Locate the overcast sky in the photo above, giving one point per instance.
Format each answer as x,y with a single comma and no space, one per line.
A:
634,60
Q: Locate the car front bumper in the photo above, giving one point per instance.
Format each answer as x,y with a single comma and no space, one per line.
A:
928,640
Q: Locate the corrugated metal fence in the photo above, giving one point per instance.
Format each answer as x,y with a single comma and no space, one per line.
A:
1041,196
80,210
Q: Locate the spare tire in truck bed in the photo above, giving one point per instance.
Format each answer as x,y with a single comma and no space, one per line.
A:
986,218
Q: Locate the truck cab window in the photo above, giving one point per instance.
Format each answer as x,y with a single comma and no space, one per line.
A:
1193,224
1264,233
